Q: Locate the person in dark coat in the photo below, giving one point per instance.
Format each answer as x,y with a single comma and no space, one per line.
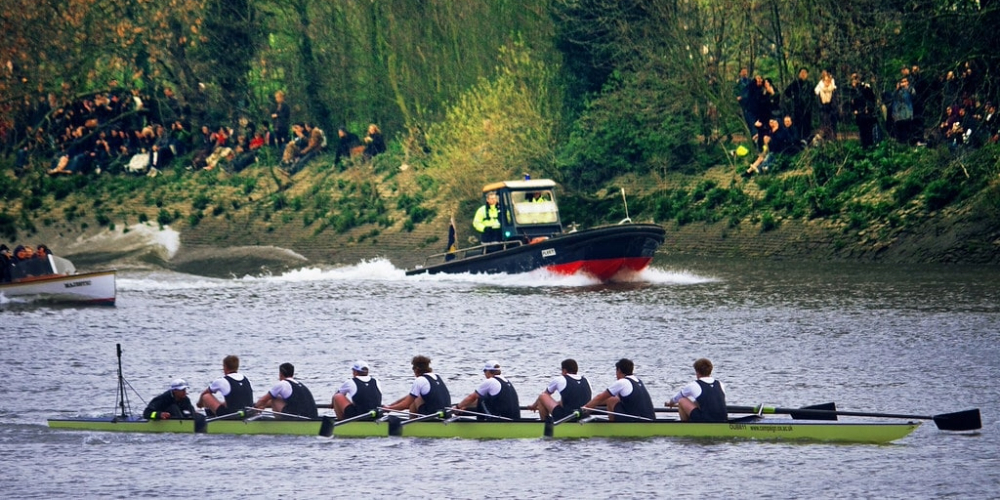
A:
346,143
171,404
801,100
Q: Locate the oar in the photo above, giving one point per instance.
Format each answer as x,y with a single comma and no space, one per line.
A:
606,412
201,425
396,424
326,428
487,415
272,412
967,420
796,413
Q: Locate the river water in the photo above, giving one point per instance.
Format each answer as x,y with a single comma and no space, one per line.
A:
920,340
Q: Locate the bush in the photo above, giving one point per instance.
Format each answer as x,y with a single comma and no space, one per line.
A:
768,222
163,217
940,193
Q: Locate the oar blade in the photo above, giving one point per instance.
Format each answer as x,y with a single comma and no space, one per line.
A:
326,428
823,407
968,420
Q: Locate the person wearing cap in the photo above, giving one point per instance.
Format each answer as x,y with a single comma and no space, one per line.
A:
573,389
704,399
627,396
171,404
358,395
427,395
487,222
233,386
495,396
289,395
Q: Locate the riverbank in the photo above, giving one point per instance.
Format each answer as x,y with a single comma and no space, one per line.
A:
269,231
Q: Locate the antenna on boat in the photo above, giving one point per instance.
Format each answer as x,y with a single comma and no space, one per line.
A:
121,382
627,219
123,402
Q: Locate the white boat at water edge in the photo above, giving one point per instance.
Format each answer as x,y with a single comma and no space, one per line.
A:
55,280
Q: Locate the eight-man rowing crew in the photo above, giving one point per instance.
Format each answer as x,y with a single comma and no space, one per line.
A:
359,397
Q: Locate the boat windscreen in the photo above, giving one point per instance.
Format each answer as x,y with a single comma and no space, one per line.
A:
534,207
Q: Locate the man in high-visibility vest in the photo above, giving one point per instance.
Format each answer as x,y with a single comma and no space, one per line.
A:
487,222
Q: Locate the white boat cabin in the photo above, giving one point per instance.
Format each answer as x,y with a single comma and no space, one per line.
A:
528,208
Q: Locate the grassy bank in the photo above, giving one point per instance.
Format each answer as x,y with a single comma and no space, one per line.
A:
892,203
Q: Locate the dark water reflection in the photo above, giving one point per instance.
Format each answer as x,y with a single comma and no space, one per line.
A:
918,339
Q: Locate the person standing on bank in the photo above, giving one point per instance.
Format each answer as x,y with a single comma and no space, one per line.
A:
495,396
627,396
487,222
233,386
702,400
573,389
358,395
171,404
289,395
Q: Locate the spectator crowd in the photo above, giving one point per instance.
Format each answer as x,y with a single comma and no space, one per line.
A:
122,131
916,111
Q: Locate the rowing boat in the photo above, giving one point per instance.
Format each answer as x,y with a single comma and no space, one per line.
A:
750,428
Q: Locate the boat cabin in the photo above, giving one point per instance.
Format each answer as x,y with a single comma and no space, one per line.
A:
528,209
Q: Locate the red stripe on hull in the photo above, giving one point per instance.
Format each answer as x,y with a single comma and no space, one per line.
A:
602,269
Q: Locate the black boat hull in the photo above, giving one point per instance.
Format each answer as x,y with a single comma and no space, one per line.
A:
602,253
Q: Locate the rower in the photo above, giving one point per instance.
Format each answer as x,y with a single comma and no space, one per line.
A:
428,395
289,396
627,396
573,389
704,399
233,387
494,396
358,395
171,404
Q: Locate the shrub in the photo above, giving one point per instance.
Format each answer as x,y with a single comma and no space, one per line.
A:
163,217
940,193
768,222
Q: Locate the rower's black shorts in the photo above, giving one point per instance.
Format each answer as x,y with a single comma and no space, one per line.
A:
353,411
559,413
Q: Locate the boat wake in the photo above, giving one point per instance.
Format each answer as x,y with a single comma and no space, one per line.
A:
380,269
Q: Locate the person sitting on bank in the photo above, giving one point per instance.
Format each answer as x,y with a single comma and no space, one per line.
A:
233,387
374,142
702,400
171,404
627,397
289,396
358,395
495,396
573,389
428,395
487,222
347,142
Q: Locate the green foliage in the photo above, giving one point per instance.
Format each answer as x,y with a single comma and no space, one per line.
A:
633,126
163,217
940,193
8,226
768,222
499,128
909,188
201,202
